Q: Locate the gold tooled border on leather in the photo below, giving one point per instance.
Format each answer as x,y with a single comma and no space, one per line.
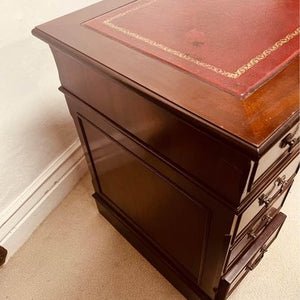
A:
240,71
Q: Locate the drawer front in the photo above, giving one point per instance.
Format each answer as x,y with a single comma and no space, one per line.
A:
280,151
199,156
266,198
258,227
250,259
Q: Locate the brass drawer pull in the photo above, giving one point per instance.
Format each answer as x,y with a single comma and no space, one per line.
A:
253,234
268,219
253,265
290,141
266,199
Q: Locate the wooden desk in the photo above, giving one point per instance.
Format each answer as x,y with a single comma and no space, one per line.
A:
192,171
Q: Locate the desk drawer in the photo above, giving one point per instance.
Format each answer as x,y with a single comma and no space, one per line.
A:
258,227
282,149
250,259
267,197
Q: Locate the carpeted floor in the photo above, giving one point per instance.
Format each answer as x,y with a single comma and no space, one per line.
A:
77,254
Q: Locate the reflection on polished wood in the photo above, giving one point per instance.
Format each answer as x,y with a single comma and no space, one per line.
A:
192,176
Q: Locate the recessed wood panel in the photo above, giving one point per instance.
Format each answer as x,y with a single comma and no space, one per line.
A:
208,160
154,205
170,155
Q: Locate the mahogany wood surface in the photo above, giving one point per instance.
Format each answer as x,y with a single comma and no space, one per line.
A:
111,152
136,201
251,258
192,176
228,172
253,123
174,139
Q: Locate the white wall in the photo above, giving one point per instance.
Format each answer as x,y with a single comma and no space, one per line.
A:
35,126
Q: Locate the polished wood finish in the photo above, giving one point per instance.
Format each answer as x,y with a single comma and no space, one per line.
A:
253,124
141,187
193,177
250,259
132,185
257,226
266,193
173,138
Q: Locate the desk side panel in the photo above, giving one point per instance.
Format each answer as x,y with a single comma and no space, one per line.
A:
189,229
202,158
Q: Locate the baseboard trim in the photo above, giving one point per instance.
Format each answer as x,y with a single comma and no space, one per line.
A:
25,214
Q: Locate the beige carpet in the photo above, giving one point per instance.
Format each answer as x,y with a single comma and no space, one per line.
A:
77,254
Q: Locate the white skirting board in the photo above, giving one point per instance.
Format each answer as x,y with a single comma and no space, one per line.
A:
27,212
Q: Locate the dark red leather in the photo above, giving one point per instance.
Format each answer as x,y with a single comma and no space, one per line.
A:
211,39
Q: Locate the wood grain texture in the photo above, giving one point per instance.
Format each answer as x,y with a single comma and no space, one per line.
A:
217,213
186,172
250,259
155,127
253,123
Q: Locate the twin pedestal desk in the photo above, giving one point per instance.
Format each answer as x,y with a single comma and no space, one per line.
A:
189,124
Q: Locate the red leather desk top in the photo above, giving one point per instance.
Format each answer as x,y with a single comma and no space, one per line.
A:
234,45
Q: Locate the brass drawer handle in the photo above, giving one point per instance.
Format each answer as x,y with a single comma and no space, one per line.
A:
266,199
268,219
290,141
252,266
253,234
